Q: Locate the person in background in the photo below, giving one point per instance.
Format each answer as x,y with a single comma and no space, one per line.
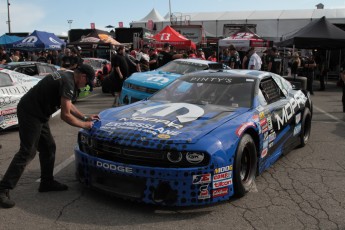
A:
295,64
34,111
120,67
342,78
42,57
66,59
166,56
60,55
191,53
4,58
254,60
213,56
144,59
200,54
245,60
274,61
153,59
225,57
309,67
234,60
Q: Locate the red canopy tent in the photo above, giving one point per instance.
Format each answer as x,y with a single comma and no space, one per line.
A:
171,36
243,39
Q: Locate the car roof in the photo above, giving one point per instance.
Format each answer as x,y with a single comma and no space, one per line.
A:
254,74
192,60
27,63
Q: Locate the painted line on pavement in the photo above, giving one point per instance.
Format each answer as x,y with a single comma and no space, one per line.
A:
329,115
61,166
81,99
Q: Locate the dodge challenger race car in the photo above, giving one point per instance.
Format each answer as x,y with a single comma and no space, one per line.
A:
13,86
202,139
141,85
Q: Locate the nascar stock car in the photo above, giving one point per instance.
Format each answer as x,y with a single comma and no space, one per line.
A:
202,139
141,85
13,86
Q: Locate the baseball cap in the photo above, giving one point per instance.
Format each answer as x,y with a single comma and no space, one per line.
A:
89,71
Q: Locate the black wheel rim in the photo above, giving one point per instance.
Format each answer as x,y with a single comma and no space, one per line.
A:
245,164
307,126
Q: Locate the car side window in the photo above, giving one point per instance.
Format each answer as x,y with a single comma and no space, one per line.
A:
5,80
270,90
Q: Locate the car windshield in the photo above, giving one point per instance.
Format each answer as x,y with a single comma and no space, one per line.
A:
95,64
182,67
220,91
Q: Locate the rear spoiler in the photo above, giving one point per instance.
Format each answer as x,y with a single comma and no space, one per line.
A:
216,66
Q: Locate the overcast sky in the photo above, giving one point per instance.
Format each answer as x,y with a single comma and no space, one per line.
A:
52,16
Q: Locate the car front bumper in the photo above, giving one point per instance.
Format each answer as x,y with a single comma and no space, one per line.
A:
154,185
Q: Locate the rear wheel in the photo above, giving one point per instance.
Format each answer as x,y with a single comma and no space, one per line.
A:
245,165
305,127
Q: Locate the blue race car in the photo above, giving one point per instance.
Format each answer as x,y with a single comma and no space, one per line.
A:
201,140
142,85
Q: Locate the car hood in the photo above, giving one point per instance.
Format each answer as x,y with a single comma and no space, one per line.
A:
154,79
158,121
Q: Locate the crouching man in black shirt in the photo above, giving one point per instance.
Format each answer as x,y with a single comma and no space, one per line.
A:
34,110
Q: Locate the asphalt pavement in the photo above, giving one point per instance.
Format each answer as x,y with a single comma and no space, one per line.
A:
304,189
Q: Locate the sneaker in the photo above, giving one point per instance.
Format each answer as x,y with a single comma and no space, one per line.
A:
48,186
5,200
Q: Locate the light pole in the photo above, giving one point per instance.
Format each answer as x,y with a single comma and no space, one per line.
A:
70,23
8,17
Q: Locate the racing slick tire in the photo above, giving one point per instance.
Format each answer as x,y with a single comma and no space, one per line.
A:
305,128
245,165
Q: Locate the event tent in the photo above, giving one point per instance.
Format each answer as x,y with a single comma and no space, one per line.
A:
96,39
38,40
7,39
243,39
171,36
318,34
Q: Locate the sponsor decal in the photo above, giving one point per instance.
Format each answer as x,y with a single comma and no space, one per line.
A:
256,117
265,144
211,79
297,129
222,183
270,145
265,135
14,90
220,192
298,118
265,128
154,120
269,123
264,153
8,111
202,179
203,192
289,110
263,122
159,79
136,126
272,137
194,111
222,176
261,115
114,168
223,169
243,127
163,136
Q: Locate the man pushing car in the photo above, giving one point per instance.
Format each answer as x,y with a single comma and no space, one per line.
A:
34,110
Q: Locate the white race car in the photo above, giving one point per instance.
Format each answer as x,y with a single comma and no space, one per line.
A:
13,86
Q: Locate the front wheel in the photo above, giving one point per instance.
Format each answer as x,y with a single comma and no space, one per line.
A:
245,165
